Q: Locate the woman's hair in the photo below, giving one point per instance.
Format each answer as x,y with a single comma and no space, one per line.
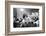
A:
25,15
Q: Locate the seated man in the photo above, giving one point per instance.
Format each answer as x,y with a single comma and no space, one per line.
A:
36,23
16,23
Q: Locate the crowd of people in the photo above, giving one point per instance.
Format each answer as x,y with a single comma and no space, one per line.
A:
27,20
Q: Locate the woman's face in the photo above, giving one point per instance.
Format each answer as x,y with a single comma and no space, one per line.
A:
25,17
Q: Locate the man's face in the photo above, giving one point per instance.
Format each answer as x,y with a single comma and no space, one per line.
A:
14,18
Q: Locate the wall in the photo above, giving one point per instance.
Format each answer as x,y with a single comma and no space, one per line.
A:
21,11
2,18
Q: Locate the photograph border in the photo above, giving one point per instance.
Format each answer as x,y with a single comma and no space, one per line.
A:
7,17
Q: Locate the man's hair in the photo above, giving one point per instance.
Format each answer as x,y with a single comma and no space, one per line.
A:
14,16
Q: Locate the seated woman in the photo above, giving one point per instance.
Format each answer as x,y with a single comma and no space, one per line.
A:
26,20
24,23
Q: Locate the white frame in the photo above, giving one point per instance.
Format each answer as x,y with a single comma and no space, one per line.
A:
28,28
